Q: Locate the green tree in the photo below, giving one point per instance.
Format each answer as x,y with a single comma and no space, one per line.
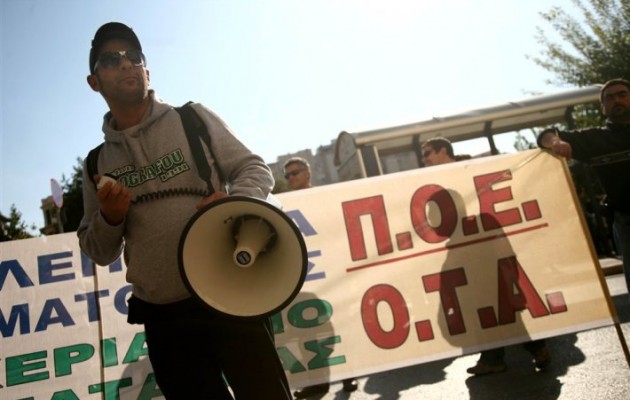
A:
594,48
13,228
522,143
73,198
281,185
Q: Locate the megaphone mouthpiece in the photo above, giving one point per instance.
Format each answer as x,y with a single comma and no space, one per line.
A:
253,235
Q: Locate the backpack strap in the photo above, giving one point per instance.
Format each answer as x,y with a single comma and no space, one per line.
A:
91,162
197,134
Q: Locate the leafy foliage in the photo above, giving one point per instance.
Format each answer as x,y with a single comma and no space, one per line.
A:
522,143
281,185
73,198
598,47
13,228
594,49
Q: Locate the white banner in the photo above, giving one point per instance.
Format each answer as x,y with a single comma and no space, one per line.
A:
403,269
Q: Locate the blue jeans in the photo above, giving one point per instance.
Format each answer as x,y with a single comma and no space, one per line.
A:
621,232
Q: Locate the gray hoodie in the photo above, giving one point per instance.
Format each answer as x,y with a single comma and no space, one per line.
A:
154,161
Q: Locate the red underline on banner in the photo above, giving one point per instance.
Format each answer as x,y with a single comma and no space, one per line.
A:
449,247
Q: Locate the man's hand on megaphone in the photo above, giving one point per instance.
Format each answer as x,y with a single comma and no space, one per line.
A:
214,196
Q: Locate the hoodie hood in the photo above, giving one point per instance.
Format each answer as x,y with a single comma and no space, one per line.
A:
157,109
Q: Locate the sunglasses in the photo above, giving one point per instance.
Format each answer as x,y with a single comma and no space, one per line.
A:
287,175
112,59
427,153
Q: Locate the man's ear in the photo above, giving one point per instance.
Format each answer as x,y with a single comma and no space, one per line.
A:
93,82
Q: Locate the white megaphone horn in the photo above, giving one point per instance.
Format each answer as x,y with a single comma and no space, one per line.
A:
242,257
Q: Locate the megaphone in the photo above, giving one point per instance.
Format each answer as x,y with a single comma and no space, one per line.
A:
242,257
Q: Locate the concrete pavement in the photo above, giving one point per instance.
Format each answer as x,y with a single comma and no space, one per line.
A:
586,365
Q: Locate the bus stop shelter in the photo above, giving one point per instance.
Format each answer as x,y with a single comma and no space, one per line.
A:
360,154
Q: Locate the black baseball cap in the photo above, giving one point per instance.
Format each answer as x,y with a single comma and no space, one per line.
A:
109,31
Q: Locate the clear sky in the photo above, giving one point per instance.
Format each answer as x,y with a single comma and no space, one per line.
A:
286,75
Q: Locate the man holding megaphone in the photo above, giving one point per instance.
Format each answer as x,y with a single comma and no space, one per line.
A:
155,186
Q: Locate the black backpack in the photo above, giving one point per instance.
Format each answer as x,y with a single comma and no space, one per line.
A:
196,133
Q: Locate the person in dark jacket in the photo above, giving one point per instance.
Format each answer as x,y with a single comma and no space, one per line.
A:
607,150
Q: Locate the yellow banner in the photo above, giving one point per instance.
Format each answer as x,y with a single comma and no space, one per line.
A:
437,262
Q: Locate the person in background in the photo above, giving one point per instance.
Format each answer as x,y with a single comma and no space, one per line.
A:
297,172
607,150
438,151
191,348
